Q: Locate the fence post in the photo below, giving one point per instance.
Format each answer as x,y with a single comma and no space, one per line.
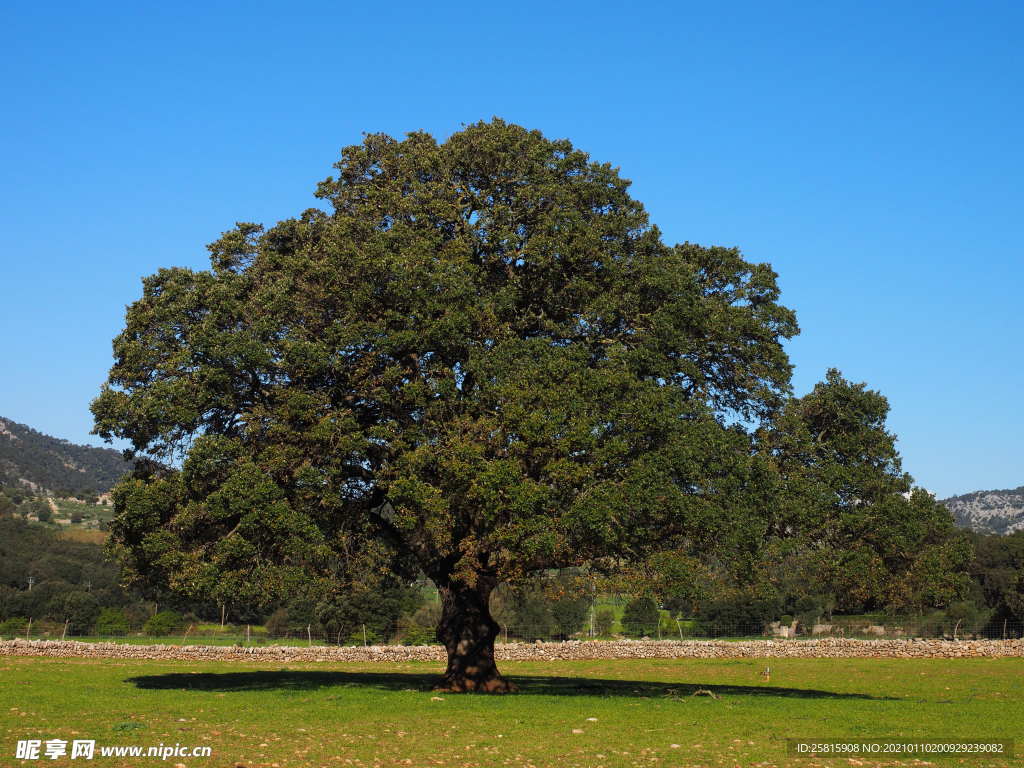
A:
65,632
309,636
593,609
246,635
680,628
364,635
29,629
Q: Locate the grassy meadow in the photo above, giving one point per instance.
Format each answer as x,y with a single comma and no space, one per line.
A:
568,714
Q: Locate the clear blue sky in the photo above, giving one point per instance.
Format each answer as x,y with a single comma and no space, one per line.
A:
872,153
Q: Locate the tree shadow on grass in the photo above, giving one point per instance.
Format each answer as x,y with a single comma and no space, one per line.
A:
299,680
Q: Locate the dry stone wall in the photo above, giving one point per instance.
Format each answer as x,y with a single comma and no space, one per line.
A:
569,651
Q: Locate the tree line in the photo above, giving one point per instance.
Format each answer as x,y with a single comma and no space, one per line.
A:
75,582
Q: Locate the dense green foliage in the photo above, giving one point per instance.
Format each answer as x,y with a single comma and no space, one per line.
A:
60,567
641,617
50,463
13,626
163,623
484,361
604,620
997,577
994,596
345,613
342,617
79,609
865,534
726,614
112,621
543,609
16,500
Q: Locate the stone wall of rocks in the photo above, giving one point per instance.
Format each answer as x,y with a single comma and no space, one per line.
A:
569,651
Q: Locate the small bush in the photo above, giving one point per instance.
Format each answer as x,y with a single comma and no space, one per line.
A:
533,620
641,617
111,622
12,627
737,616
44,514
604,620
965,618
278,625
163,623
428,615
77,517
786,620
570,614
357,637
421,627
414,634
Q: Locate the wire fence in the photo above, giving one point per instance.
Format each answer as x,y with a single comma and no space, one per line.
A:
412,634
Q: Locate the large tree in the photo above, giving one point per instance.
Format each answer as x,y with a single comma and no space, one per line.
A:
482,361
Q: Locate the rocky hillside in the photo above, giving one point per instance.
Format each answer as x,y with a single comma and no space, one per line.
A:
989,511
31,458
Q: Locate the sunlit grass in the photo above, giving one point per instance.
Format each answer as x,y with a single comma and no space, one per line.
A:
586,714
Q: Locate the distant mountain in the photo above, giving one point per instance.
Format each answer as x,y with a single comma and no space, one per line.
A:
30,457
989,511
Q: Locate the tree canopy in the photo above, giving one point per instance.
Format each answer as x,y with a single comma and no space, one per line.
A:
870,536
482,361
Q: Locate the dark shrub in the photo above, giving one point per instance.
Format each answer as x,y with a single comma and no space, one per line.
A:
277,625
641,617
343,616
569,614
737,617
79,609
532,618
604,619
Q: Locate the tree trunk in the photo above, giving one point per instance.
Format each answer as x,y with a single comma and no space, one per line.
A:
467,630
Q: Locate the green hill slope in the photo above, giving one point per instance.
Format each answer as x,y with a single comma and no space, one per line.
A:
49,463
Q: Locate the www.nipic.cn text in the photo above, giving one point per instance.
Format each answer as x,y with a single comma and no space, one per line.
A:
86,749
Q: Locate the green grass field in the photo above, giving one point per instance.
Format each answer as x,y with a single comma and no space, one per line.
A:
567,714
